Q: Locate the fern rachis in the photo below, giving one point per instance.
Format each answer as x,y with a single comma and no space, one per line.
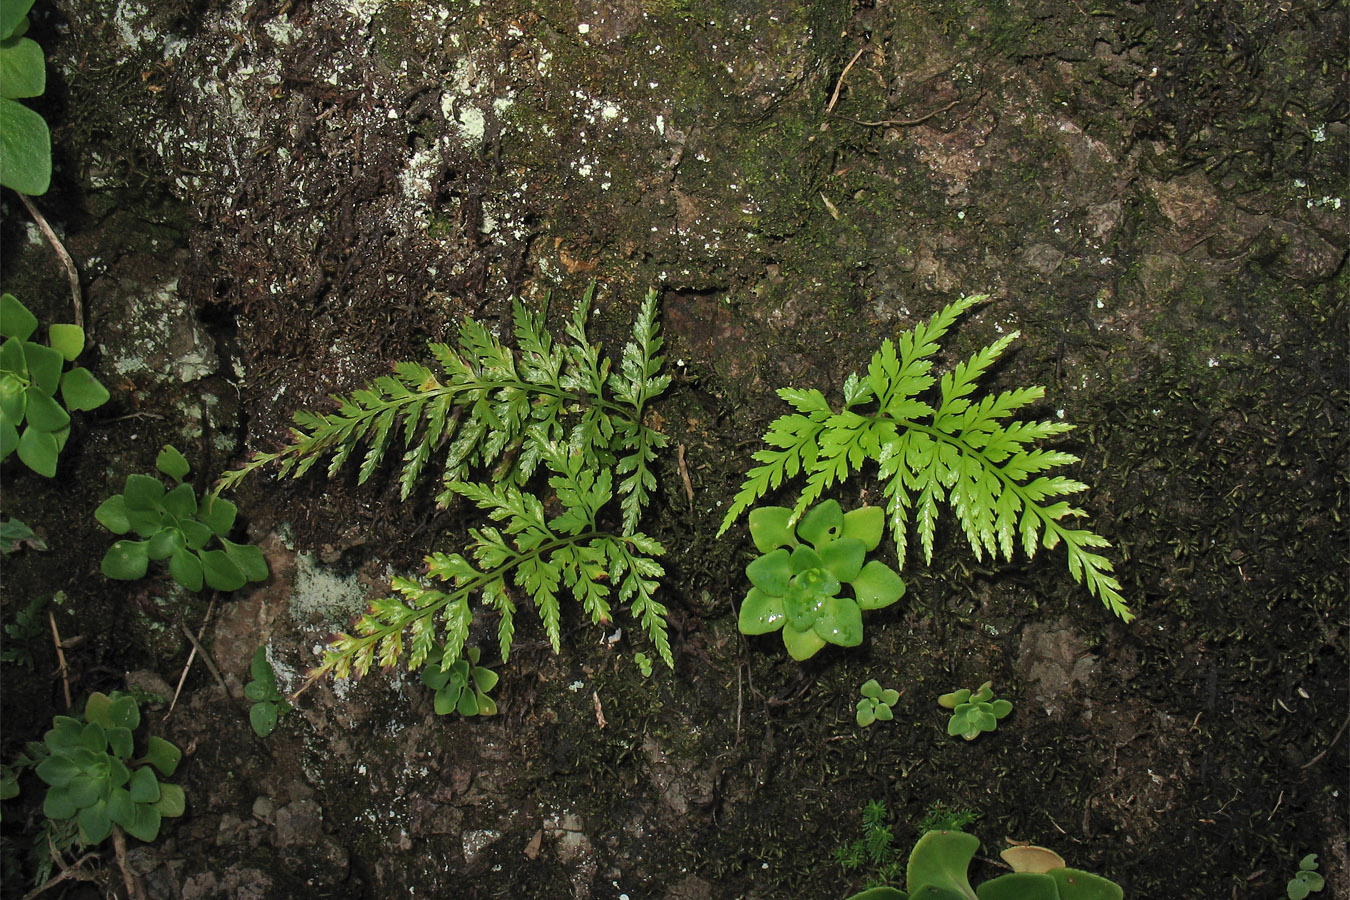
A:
964,453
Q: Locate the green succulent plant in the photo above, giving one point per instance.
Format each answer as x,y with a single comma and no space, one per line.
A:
25,141
95,779
1307,880
876,703
33,421
269,704
940,861
172,525
799,580
974,713
462,686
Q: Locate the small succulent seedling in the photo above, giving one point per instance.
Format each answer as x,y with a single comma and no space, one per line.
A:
269,704
95,779
33,421
25,141
799,582
974,713
1307,880
174,526
876,703
940,861
462,687
644,663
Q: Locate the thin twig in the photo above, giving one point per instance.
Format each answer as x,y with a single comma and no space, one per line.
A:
133,884
1340,731
75,871
71,272
60,653
206,657
839,85
908,122
684,476
191,656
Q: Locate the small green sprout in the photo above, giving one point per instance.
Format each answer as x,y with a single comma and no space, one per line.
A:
462,687
269,704
174,526
32,420
974,714
95,779
1307,880
876,703
798,582
644,663
875,850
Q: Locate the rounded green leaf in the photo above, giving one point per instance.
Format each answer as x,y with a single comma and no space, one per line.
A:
123,711
1075,884
770,528
884,713
172,801
143,492
68,340
125,560
954,699
468,703
824,522
263,718
221,572
13,398
1297,889
257,691
248,558
9,436
1000,708
121,809
866,524
890,696
871,688
57,770
941,859
486,705
801,645
95,823
15,319
760,613
112,514
1019,886
434,677
180,502
172,463
144,786
58,804
446,700
165,543
44,367
840,622
865,714
771,572
484,679
804,558
146,825
187,569
25,149
218,513
843,557
877,586
120,742
41,411
23,69
163,755
196,533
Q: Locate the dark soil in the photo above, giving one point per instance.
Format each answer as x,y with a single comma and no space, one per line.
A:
270,203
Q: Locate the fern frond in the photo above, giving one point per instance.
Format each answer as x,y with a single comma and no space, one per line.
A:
494,415
963,453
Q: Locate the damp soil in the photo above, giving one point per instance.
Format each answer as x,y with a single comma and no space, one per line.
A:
273,202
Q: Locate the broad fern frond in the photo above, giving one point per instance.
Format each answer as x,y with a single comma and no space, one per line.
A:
494,416
963,453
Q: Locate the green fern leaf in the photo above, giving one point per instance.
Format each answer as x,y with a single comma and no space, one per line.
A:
965,453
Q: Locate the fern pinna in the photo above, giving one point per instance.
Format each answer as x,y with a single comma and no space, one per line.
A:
551,412
963,452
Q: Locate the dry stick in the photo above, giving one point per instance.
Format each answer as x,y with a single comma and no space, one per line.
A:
60,654
908,122
75,871
133,884
839,85
191,656
206,657
1339,731
71,272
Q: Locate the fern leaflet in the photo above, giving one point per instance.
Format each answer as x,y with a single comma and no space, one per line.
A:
964,453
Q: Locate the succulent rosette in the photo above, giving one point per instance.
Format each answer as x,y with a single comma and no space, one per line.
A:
813,580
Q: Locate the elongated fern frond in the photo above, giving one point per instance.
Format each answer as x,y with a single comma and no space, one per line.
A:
964,453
